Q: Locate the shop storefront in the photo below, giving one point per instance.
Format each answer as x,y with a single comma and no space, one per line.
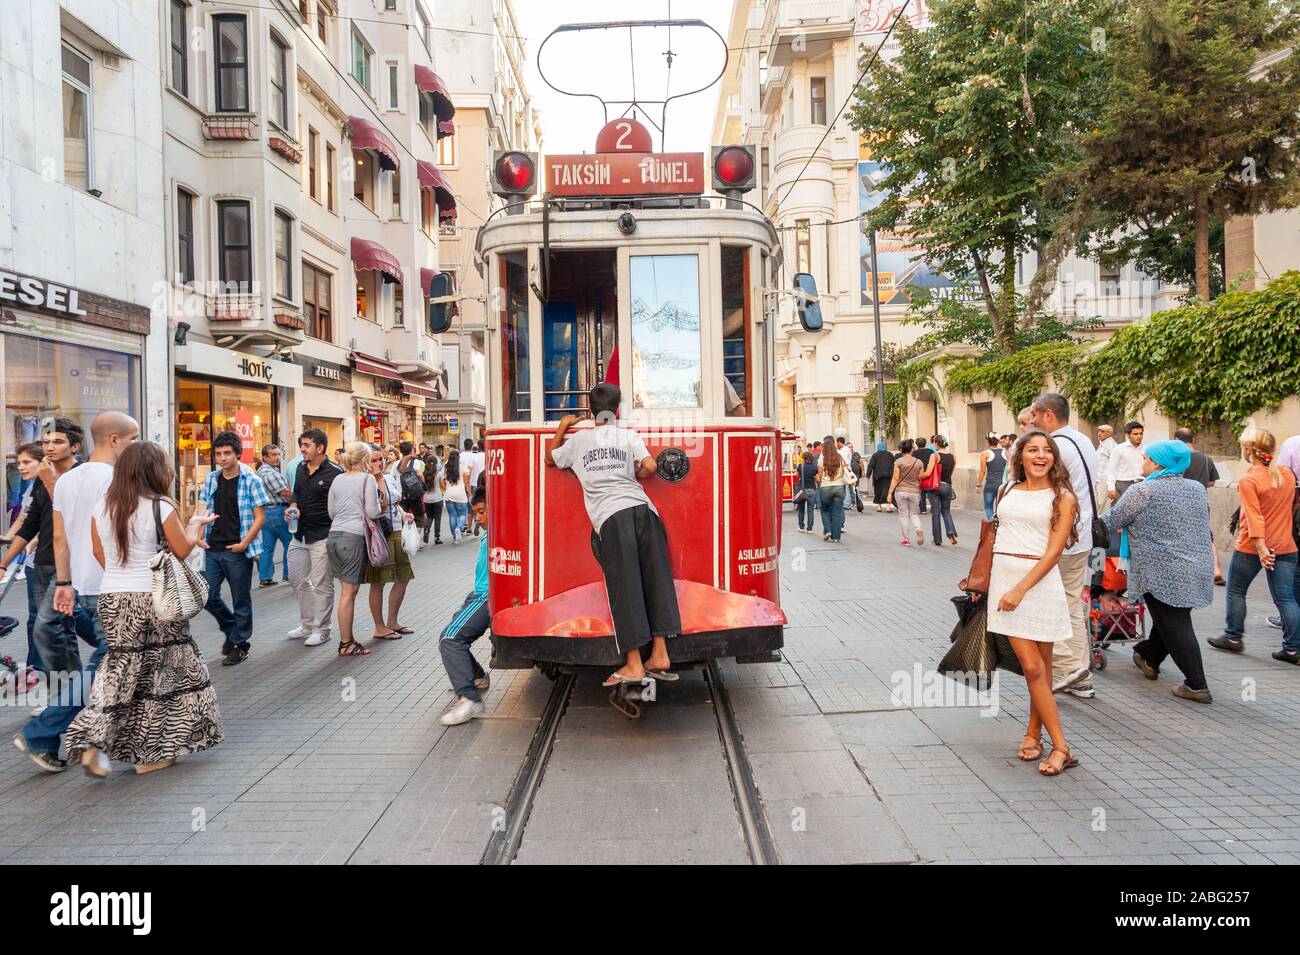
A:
385,402
222,390
442,427
63,352
325,400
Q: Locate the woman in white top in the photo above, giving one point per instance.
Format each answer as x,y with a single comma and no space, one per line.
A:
456,497
1027,600
353,498
151,700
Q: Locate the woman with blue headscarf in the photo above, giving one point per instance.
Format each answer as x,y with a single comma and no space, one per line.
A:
880,471
1165,520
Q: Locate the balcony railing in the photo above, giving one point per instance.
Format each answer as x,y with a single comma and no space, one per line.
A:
222,126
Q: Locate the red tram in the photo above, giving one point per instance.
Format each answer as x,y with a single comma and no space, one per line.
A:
623,271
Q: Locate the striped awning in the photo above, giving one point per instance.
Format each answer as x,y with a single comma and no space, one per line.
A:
376,367
431,177
425,391
367,135
372,255
431,84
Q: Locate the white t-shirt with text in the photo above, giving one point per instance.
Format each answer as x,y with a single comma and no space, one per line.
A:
604,458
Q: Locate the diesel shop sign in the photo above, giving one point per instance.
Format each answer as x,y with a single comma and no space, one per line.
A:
202,359
61,301
325,374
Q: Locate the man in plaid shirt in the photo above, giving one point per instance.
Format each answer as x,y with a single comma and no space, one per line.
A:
275,530
235,494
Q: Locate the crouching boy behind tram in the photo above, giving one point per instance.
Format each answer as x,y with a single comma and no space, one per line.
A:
469,623
630,542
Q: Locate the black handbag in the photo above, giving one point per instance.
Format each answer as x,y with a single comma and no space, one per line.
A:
975,651
1100,532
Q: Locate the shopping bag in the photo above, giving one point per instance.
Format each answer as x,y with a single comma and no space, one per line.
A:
410,539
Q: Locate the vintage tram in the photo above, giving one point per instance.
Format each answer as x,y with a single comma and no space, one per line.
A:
620,268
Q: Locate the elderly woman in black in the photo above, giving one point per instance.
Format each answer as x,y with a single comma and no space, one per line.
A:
1166,518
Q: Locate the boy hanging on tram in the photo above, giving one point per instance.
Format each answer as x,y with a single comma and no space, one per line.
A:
630,541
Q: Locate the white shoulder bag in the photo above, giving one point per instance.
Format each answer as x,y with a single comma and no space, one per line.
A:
179,591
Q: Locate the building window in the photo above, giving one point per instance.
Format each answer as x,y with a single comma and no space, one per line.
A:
765,161
390,4
283,255
395,189
802,246
323,15
447,150
77,171
313,181
180,47
363,189
316,302
428,211
392,85
185,236
235,245
279,82
818,101
762,70
1110,271
368,295
427,119
329,177
423,27
399,316
361,54
231,52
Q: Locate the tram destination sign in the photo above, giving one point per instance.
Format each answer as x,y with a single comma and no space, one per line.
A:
625,174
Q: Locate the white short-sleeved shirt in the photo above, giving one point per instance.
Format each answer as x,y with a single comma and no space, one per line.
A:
133,576
434,492
472,461
75,496
604,458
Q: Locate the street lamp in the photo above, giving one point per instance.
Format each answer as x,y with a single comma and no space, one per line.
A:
875,177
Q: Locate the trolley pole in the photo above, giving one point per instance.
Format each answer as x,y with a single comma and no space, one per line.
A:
880,352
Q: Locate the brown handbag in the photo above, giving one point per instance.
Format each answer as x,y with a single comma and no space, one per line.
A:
976,580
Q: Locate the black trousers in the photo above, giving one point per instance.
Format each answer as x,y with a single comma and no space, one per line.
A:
881,488
1172,635
433,519
632,548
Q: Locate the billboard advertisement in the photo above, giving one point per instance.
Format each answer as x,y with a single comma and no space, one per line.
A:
900,260
872,19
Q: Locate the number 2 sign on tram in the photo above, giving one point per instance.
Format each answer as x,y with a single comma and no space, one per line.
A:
625,165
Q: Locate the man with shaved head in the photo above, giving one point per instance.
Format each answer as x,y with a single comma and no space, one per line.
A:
77,577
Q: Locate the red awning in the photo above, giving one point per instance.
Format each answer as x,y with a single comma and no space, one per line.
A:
431,177
446,128
378,367
413,389
366,135
372,255
429,82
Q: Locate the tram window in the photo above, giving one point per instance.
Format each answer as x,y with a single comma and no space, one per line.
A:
516,399
736,335
665,294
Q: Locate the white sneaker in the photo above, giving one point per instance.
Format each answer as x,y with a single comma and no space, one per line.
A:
1070,679
462,711
297,633
316,639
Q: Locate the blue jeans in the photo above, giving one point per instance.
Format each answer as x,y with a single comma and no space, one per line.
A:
36,586
990,499
833,511
470,622
274,530
941,507
805,507
237,569
42,732
55,634
1281,585
456,515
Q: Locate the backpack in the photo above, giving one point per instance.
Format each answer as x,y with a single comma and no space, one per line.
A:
411,482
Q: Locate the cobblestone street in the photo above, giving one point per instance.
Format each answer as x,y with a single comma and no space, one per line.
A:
315,769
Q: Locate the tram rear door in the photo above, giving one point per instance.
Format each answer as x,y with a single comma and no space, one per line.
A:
579,327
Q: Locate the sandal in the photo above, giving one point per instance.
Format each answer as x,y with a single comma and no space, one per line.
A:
403,630
952,539
390,635
618,679
352,649
1048,768
1027,754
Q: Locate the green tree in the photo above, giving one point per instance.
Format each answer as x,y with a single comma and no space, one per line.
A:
1203,105
973,118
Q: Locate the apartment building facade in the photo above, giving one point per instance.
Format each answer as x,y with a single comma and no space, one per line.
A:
483,59
794,63
82,323
302,209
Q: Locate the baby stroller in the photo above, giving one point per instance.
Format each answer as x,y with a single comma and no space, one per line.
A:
1112,617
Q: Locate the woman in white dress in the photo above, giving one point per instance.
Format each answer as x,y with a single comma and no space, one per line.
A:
1027,600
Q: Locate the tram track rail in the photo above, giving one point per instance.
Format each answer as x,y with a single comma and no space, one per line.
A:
506,839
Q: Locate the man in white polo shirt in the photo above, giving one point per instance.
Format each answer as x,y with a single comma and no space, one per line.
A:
77,578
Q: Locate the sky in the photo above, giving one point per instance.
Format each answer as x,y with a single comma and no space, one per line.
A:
601,62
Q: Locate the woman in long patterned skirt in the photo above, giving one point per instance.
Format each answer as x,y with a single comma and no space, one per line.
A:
151,700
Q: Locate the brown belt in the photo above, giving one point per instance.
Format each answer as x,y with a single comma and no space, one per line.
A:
1002,553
